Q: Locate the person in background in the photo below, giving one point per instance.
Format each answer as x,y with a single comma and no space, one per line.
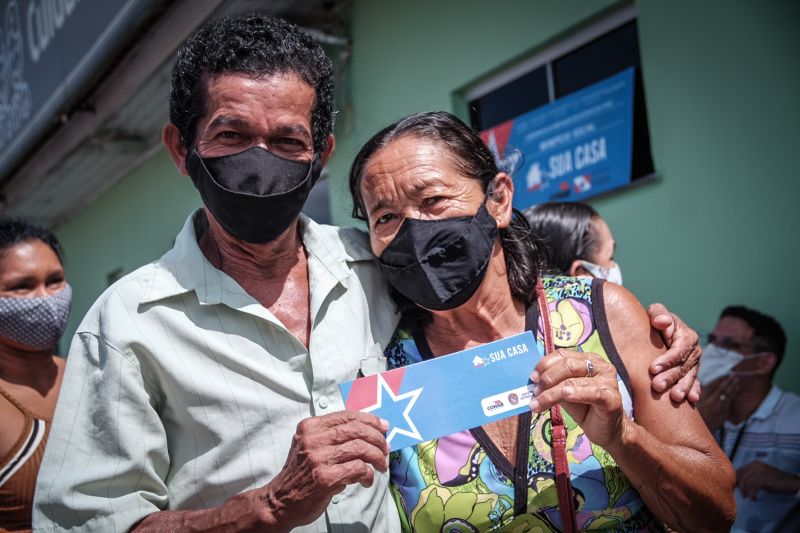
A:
578,239
34,305
756,423
580,243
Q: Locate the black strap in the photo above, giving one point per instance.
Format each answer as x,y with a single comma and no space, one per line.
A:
517,472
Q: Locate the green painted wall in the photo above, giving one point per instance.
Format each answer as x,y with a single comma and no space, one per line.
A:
721,80
133,223
722,88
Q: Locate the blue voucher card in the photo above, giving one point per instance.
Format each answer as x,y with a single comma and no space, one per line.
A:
449,394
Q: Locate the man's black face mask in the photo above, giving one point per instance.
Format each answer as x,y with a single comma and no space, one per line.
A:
255,195
439,264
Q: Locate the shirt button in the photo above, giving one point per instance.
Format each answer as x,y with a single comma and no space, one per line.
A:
323,402
335,499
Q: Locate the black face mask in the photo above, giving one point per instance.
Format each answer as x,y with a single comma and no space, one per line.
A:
255,195
439,264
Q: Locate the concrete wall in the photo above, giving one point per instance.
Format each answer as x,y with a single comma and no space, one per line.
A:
721,81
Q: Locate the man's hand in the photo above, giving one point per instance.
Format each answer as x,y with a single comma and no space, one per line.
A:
757,476
715,405
677,368
328,453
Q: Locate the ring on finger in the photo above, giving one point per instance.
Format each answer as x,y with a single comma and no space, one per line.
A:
589,368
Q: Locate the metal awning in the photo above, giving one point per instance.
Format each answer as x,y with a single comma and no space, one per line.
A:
116,125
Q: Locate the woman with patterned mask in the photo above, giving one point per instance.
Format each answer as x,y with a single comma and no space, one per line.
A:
34,304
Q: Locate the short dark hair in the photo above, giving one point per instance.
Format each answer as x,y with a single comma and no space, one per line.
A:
768,334
521,248
14,231
257,45
566,229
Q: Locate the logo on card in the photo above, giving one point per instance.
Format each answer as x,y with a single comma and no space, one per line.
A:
494,405
502,354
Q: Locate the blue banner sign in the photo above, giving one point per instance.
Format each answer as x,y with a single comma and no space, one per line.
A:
576,147
449,394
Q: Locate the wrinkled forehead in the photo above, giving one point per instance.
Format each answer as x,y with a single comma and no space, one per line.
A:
409,165
232,88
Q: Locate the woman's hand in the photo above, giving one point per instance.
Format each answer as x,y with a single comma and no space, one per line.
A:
676,369
586,386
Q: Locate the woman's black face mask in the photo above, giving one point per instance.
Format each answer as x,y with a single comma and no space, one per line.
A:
439,264
255,195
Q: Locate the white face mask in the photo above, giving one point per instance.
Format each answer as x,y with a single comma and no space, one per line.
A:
612,273
717,362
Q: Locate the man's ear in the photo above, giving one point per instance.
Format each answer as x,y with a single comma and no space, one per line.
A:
171,138
500,201
326,154
766,364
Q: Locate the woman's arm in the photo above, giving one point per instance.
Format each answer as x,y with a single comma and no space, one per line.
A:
667,453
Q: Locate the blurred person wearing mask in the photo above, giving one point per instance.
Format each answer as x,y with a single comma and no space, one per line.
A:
34,304
756,423
580,243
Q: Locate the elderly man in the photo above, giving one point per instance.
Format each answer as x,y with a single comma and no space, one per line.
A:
756,423
201,390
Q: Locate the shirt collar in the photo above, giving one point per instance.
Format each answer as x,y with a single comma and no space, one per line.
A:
767,407
330,253
185,268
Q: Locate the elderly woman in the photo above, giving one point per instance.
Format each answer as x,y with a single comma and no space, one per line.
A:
464,267
34,304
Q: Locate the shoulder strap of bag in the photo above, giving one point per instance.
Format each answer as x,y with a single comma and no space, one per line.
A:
566,504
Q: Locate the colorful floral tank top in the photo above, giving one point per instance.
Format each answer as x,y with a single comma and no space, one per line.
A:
463,483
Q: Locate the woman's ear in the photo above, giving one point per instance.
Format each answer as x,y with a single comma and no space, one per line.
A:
576,269
500,201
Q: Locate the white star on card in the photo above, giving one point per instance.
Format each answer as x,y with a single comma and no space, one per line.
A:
411,397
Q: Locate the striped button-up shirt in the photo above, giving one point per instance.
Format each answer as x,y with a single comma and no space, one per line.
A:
770,435
181,390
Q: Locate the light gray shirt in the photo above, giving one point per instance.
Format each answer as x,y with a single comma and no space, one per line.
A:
770,435
181,390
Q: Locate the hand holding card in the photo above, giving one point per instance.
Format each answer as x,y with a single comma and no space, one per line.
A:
449,394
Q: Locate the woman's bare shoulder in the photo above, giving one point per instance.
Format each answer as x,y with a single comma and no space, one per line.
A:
629,324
